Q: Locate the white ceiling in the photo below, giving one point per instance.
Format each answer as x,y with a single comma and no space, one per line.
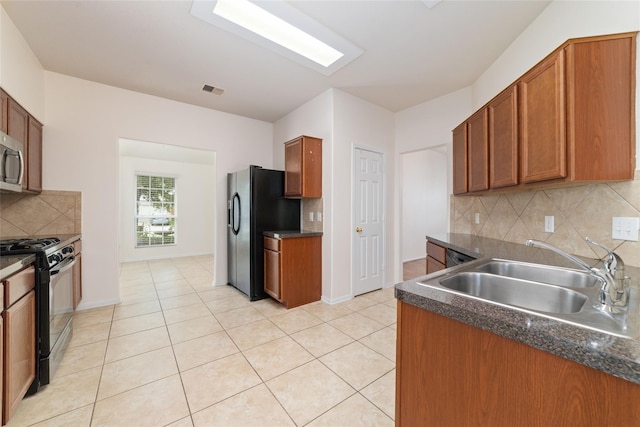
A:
411,53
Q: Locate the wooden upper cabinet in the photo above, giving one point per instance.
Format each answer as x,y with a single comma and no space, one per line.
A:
34,156
478,146
503,139
460,159
17,122
542,121
571,118
600,115
4,110
303,167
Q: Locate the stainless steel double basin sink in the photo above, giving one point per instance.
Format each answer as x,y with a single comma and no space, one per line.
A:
563,294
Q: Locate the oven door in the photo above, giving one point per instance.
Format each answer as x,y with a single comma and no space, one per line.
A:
60,312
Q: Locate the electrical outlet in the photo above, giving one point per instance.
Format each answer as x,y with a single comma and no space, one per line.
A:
625,228
549,226
477,218
311,216
319,216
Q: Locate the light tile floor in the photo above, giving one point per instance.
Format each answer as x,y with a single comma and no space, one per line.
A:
179,352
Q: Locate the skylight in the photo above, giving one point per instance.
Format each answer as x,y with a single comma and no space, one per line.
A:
282,28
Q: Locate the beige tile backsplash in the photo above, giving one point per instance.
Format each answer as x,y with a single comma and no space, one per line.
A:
578,212
309,206
48,213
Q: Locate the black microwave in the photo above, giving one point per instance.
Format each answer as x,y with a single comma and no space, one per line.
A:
11,164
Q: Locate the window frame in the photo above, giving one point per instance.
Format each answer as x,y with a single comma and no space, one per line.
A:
154,234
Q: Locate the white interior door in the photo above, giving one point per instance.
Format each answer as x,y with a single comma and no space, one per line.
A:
368,232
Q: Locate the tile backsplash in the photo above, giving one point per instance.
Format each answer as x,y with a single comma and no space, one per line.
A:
579,212
47,213
312,206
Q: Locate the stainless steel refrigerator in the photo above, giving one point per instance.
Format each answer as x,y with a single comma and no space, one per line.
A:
255,204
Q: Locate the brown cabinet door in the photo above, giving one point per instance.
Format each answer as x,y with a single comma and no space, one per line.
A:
293,168
18,128
272,276
77,281
20,352
460,159
34,156
600,91
542,121
303,167
4,110
478,146
503,139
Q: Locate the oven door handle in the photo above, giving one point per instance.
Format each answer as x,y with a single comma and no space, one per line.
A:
64,266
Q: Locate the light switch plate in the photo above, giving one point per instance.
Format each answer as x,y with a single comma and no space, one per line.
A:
311,216
319,216
549,225
477,218
625,228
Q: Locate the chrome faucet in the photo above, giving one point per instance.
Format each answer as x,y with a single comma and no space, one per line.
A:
613,292
614,265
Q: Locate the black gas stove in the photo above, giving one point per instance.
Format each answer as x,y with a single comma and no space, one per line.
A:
54,298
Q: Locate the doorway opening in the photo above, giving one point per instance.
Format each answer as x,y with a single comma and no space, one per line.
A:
424,204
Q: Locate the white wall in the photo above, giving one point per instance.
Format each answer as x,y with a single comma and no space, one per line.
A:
195,202
343,122
84,122
358,123
21,74
424,199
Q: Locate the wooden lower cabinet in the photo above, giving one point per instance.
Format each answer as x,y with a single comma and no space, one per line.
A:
436,257
452,374
19,343
293,269
19,352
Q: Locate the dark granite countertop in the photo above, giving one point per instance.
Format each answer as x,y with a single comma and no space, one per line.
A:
14,263
290,234
606,352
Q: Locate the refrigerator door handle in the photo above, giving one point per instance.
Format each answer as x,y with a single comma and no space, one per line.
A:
235,217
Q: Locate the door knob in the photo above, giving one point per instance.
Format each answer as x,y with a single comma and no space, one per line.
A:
358,230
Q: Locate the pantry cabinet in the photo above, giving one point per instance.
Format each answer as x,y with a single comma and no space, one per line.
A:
19,320
303,168
570,119
293,269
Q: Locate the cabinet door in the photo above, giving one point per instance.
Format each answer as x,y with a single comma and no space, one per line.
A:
503,139
433,265
34,156
478,146
600,95
4,110
272,276
293,168
542,121
460,159
77,281
20,352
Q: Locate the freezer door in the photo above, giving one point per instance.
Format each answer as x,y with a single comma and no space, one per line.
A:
243,242
231,225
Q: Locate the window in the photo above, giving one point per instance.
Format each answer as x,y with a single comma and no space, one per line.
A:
155,211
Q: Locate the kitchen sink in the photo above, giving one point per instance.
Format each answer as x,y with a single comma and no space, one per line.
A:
540,273
562,294
517,292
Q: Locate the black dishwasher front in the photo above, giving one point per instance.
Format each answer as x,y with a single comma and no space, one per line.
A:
456,258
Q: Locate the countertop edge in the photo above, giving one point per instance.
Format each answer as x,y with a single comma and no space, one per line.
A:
291,234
